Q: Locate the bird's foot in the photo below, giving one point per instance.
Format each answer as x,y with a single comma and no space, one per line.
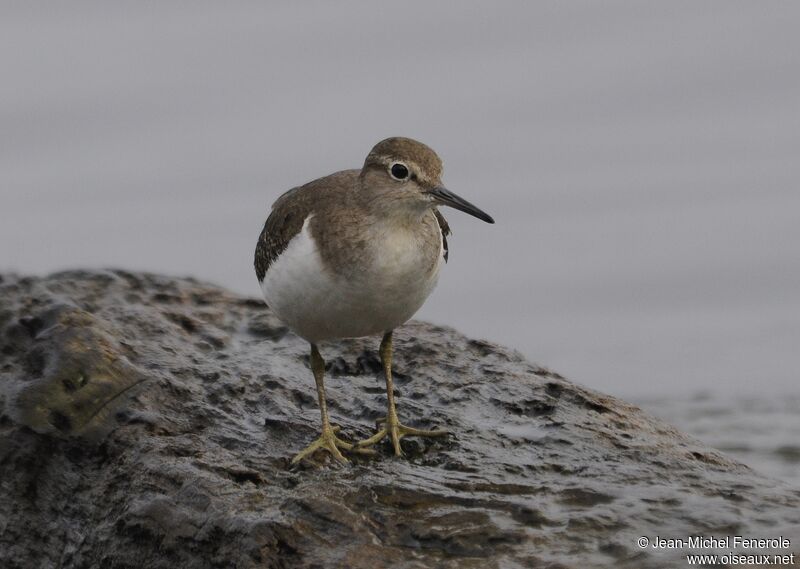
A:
330,442
393,429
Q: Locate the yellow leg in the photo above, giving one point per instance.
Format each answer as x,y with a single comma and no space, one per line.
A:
391,424
327,440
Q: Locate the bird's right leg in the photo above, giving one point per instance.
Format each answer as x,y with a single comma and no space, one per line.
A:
327,440
392,427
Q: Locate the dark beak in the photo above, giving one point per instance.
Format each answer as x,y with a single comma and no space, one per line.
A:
446,197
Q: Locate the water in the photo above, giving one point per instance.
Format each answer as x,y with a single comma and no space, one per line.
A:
640,160
763,432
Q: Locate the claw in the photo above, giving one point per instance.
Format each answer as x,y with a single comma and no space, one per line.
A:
397,431
329,442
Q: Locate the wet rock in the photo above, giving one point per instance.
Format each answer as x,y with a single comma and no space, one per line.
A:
147,421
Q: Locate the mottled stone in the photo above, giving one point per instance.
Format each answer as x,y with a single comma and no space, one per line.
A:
147,421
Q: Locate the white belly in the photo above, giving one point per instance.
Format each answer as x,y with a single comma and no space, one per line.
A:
320,305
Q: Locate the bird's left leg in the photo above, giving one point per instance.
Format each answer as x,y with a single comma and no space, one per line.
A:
327,440
391,424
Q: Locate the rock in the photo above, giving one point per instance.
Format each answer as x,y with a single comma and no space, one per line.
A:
147,421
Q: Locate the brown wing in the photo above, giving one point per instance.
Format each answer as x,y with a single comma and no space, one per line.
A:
283,223
290,211
445,228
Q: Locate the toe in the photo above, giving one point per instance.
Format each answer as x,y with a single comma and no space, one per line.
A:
327,441
337,455
412,432
374,439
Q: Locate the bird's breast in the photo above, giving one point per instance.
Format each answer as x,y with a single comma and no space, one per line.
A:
402,257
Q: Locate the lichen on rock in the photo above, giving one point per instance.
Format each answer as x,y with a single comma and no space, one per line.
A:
75,374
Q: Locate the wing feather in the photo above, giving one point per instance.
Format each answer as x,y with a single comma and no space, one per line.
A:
445,229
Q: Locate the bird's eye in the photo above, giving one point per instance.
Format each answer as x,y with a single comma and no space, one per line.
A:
399,171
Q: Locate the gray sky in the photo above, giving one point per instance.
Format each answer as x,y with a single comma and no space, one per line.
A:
640,158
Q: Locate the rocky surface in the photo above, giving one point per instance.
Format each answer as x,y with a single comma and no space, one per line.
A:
147,421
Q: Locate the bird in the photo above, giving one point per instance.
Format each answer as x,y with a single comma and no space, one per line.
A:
355,254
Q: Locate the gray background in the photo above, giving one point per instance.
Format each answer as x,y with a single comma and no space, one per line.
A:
641,160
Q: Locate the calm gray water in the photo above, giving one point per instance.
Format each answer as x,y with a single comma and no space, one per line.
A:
641,160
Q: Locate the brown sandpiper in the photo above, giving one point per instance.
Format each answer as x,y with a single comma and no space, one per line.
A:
355,254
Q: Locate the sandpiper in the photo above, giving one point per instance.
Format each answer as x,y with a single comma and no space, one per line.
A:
354,254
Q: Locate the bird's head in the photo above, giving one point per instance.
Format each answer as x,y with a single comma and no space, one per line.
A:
406,175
